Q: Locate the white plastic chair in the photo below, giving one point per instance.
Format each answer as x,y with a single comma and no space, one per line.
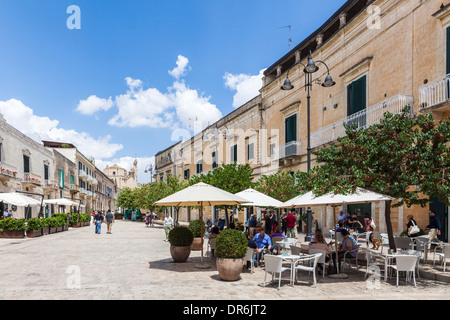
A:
273,264
384,240
296,251
250,257
406,263
349,258
314,258
444,255
277,245
322,258
365,237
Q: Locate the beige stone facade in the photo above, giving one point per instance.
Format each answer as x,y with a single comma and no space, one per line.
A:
121,177
382,54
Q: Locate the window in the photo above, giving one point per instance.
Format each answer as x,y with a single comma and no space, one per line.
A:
290,128
1,150
45,172
61,178
186,174
448,50
233,152
26,164
200,166
356,96
272,149
72,179
214,160
250,151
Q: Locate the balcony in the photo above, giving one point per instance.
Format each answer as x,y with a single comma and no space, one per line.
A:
49,184
362,119
7,172
81,173
434,96
289,152
73,188
31,179
83,191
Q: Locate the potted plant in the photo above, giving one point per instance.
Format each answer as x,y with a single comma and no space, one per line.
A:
34,227
196,227
74,220
59,224
13,228
231,247
45,226
180,239
52,225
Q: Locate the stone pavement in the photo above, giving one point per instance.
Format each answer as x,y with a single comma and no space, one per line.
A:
134,262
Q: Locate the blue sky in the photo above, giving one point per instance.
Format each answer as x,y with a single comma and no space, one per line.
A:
121,57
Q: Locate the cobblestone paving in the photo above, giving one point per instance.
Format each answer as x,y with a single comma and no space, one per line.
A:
134,263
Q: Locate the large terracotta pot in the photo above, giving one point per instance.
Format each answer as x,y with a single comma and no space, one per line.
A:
196,244
180,254
229,269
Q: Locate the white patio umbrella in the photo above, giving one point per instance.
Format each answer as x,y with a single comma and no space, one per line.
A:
61,202
198,195
359,196
18,199
258,199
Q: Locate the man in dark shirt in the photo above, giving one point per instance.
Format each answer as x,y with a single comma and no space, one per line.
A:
434,227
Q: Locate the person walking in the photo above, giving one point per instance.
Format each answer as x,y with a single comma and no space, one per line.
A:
290,225
147,219
434,227
109,221
168,225
98,222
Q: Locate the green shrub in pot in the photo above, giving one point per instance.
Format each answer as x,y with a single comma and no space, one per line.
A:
231,244
181,237
196,227
34,224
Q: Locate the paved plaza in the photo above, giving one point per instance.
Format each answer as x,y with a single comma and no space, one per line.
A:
134,263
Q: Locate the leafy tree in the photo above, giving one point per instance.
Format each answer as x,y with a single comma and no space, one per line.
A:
390,158
280,185
231,177
127,199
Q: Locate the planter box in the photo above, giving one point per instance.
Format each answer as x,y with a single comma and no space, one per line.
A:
52,230
12,234
45,231
65,227
34,233
59,229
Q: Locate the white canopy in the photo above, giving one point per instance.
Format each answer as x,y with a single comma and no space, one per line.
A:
201,194
61,202
19,199
259,199
360,196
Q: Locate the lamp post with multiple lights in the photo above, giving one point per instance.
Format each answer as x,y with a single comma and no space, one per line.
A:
308,70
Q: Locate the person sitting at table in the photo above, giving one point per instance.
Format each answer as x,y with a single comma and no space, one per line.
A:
215,231
278,233
264,243
321,245
252,245
346,248
314,239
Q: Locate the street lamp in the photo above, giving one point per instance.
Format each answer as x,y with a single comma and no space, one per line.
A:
149,169
310,68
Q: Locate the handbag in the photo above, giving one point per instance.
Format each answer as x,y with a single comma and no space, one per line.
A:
415,229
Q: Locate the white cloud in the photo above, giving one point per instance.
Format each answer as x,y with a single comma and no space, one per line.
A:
127,164
180,69
93,104
40,128
180,106
246,86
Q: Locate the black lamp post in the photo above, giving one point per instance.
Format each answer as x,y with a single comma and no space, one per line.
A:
149,169
309,69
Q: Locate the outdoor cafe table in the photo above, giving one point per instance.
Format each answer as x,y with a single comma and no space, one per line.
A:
292,259
388,257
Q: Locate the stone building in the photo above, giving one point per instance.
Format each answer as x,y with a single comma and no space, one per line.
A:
382,55
25,165
105,193
121,177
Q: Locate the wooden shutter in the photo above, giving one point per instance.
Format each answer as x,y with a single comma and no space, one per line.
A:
448,50
356,96
290,127
26,164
